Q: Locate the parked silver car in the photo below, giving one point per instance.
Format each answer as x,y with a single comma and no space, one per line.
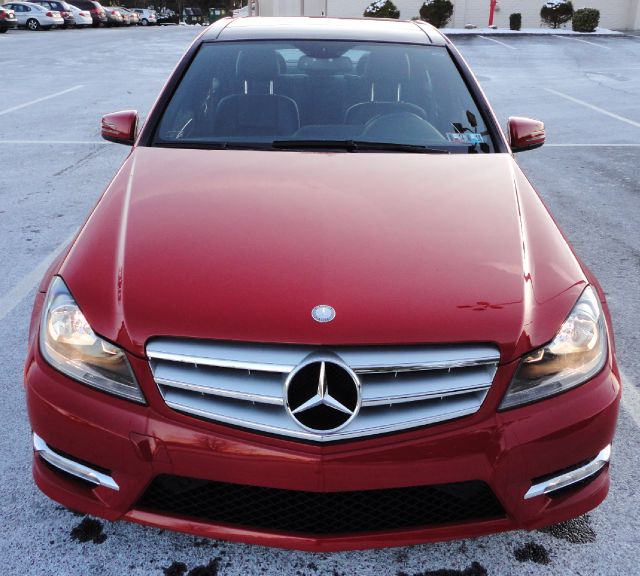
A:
147,17
114,16
133,17
82,17
35,17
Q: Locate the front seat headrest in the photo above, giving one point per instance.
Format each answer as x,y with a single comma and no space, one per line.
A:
257,64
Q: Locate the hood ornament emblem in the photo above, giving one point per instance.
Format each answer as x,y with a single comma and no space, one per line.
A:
323,313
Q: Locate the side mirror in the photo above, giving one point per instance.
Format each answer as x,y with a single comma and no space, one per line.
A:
525,134
120,127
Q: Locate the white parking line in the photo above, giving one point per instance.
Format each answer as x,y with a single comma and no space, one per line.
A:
592,107
56,142
22,289
497,42
630,399
583,41
20,106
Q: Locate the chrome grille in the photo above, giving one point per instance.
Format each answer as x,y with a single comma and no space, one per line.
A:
242,384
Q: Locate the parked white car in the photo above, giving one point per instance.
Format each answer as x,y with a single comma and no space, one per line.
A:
34,16
82,17
147,17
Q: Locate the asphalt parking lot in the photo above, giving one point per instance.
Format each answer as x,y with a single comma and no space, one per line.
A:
54,87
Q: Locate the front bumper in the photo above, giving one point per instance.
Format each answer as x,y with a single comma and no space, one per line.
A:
509,451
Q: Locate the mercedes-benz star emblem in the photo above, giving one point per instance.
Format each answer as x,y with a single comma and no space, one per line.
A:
323,313
322,395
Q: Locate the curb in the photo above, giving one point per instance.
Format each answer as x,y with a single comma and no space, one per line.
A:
542,34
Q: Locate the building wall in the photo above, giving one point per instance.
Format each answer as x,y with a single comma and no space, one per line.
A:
635,16
616,14
613,13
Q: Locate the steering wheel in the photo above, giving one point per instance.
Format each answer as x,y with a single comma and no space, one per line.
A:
401,127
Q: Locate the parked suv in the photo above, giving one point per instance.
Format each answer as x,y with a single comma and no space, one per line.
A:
94,8
193,15
62,7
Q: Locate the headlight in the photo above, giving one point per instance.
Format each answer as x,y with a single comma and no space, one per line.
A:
70,345
577,353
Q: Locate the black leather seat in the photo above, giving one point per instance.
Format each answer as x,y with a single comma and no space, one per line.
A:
257,110
385,80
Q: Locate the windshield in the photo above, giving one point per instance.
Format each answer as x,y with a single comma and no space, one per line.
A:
305,94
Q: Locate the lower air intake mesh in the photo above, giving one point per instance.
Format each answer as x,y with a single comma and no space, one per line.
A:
321,513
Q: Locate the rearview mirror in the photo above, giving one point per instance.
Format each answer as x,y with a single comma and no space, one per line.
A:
525,134
120,127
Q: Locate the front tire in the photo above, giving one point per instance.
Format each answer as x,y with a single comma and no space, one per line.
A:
3,30
145,22
33,24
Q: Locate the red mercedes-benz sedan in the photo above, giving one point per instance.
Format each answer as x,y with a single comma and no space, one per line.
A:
321,307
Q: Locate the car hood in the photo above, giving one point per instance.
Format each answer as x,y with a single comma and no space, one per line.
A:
241,245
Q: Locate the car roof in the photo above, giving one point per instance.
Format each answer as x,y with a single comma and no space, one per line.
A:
322,28
28,4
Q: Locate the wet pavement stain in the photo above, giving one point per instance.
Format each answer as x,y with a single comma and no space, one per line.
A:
199,542
576,531
176,569
476,569
210,569
532,552
89,530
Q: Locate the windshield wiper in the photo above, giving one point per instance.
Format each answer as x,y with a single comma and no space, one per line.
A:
204,145
354,146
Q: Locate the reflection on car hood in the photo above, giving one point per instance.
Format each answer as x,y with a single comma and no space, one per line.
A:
241,245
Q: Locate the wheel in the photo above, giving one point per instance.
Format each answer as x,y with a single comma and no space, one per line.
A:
3,30
145,22
33,24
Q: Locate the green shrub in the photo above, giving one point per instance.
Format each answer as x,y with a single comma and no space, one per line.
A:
515,21
556,12
437,12
382,9
585,20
